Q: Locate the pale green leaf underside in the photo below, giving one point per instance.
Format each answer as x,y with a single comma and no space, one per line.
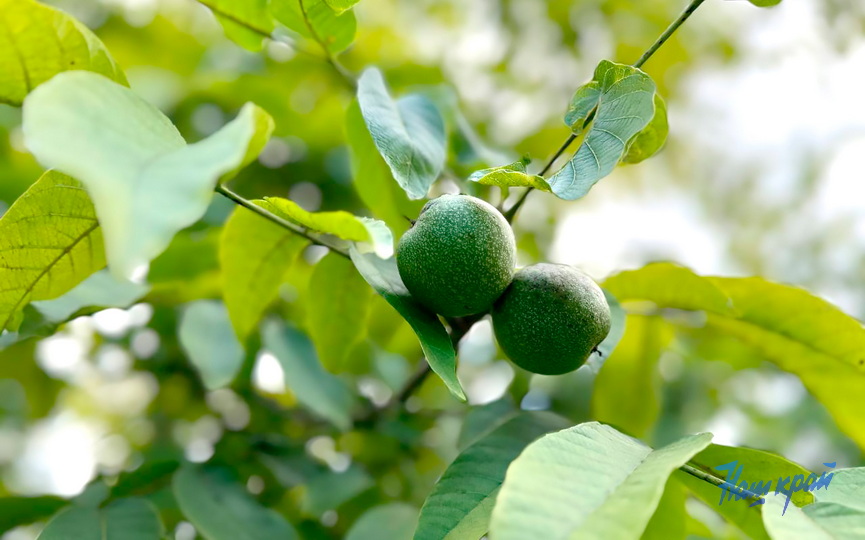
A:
462,501
393,521
580,482
320,391
124,519
316,21
338,311
339,223
513,175
818,521
145,181
50,242
799,332
383,276
622,99
101,290
409,133
254,256
222,509
207,339
37,42
651,139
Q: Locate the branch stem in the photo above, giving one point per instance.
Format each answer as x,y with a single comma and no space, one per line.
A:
273,218
700,474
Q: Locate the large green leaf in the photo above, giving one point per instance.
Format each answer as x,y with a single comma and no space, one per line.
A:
50,242
247,22
145,181
632,371
372,178
338,313
409,133
756,466
668,521
17,511
125,519
580,482
99,291
383,276
651,139
846,486
254,255
462,500
316,21
670,286
339,223
480,421
394,521
207,339
320,391
222,509
38,42
513,175
341,5
616,105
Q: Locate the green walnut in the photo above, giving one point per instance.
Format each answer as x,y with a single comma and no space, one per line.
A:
551,318
458,257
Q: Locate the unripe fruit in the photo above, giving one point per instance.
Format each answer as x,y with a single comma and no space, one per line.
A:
458,256
551,318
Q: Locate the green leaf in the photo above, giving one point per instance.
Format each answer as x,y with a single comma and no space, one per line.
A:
246,22
340,224
394,521
513,175
617,331
145,181
125,519
480,421
580,482
765,3
757,466
632,371
846,487
222,509
409,133
651,139
818,521
670,286
17,511
668,521
337,316
50,242
462,500
318,390
254,256
330,490
316,21
383,277
372,178
206,337
99,291
617,104
341,5
38,42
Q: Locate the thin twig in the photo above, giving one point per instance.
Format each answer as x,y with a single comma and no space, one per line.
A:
720,482
512,211
284,223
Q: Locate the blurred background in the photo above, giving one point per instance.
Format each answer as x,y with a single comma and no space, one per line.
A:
762,174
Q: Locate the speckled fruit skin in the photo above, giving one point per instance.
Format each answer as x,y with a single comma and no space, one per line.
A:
551,318
458,257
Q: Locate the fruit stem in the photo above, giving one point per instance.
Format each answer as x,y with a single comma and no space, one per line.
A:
285,224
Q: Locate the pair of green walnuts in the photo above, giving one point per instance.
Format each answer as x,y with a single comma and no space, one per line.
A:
458,259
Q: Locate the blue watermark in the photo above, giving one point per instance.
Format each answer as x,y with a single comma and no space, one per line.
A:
786,485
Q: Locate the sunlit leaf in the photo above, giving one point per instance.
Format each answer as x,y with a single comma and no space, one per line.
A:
338,314
316,21
668,521
616,105
341,5
206,337
394,521
462,500
765,3
222,509
50,242
246,22
254,256
145,181
38,41
818,521
409,133
383,276
101,290
669,285
315,388
580,482
125,519
339,223
651,139
513,175
632,371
